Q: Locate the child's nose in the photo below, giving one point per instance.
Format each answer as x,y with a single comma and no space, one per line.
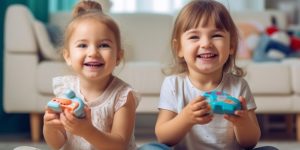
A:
205,42
92,51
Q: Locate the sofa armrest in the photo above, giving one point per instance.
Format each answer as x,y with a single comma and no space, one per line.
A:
19,32
20,61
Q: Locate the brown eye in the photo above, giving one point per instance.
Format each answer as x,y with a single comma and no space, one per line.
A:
194,37
82,46
103,45
217,35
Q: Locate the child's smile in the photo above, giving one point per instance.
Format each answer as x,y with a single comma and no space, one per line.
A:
207,56
93,65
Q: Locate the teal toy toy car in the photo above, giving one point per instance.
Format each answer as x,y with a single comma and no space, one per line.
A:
222,103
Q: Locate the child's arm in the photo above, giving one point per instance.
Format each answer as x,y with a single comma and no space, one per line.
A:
171,128
246,127
53,130
117,138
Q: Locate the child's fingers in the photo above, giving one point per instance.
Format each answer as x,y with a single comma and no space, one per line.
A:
237,115
66,116
69,115
204,119
47,109
230,118
50,116
202,112
198,99
243,102
240,113
87,111
199,105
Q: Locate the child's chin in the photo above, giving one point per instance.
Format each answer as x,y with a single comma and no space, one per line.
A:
92,76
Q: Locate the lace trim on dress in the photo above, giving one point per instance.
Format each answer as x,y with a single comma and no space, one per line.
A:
62,83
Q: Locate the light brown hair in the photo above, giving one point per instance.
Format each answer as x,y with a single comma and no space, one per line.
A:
89,9
190,17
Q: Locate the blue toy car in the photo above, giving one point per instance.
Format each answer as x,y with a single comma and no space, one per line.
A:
70,102
222,103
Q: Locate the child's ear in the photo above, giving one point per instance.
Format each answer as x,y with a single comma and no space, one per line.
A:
66,55
176,48
120,56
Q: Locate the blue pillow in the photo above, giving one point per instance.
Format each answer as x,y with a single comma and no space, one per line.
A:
55,35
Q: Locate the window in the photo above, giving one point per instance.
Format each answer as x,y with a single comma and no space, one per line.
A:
152,6
171,6
242,5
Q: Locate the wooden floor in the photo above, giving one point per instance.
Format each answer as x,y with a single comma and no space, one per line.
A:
277,130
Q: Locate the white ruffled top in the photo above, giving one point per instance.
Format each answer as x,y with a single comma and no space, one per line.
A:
102,108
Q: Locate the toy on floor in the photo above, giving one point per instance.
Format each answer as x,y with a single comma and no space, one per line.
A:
222,103
70,102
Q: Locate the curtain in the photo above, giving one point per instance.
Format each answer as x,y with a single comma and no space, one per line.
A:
39,8
16,123
61,5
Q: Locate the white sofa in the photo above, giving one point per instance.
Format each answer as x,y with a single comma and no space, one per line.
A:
31,61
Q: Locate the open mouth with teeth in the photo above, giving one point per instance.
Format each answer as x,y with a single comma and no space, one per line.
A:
93,64
207,55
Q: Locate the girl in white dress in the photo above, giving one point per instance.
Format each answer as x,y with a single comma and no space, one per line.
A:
92,48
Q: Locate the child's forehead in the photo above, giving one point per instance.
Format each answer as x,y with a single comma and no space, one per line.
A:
204,22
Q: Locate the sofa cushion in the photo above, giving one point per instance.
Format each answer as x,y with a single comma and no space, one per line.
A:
294,63
144,43
269,78
146,77
274,104
55,35
46,70
47,49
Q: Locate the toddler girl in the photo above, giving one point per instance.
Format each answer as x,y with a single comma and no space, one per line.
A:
92,48
204,45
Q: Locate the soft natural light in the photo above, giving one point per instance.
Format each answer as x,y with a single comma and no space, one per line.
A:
156,6
171,6
123,6
161,6
151,6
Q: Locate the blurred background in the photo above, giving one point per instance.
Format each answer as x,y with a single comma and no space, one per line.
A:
15,125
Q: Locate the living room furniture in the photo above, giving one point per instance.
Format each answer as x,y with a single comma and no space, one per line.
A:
31,61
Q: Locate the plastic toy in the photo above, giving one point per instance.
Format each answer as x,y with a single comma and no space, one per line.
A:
222,103
70,102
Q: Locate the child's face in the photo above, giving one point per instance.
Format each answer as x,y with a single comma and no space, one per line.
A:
93,51
205,49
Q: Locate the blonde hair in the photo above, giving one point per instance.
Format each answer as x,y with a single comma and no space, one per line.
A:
189,17
89,9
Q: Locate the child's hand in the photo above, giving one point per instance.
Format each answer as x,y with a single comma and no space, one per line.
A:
197,111
241,116
52,119
77,126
